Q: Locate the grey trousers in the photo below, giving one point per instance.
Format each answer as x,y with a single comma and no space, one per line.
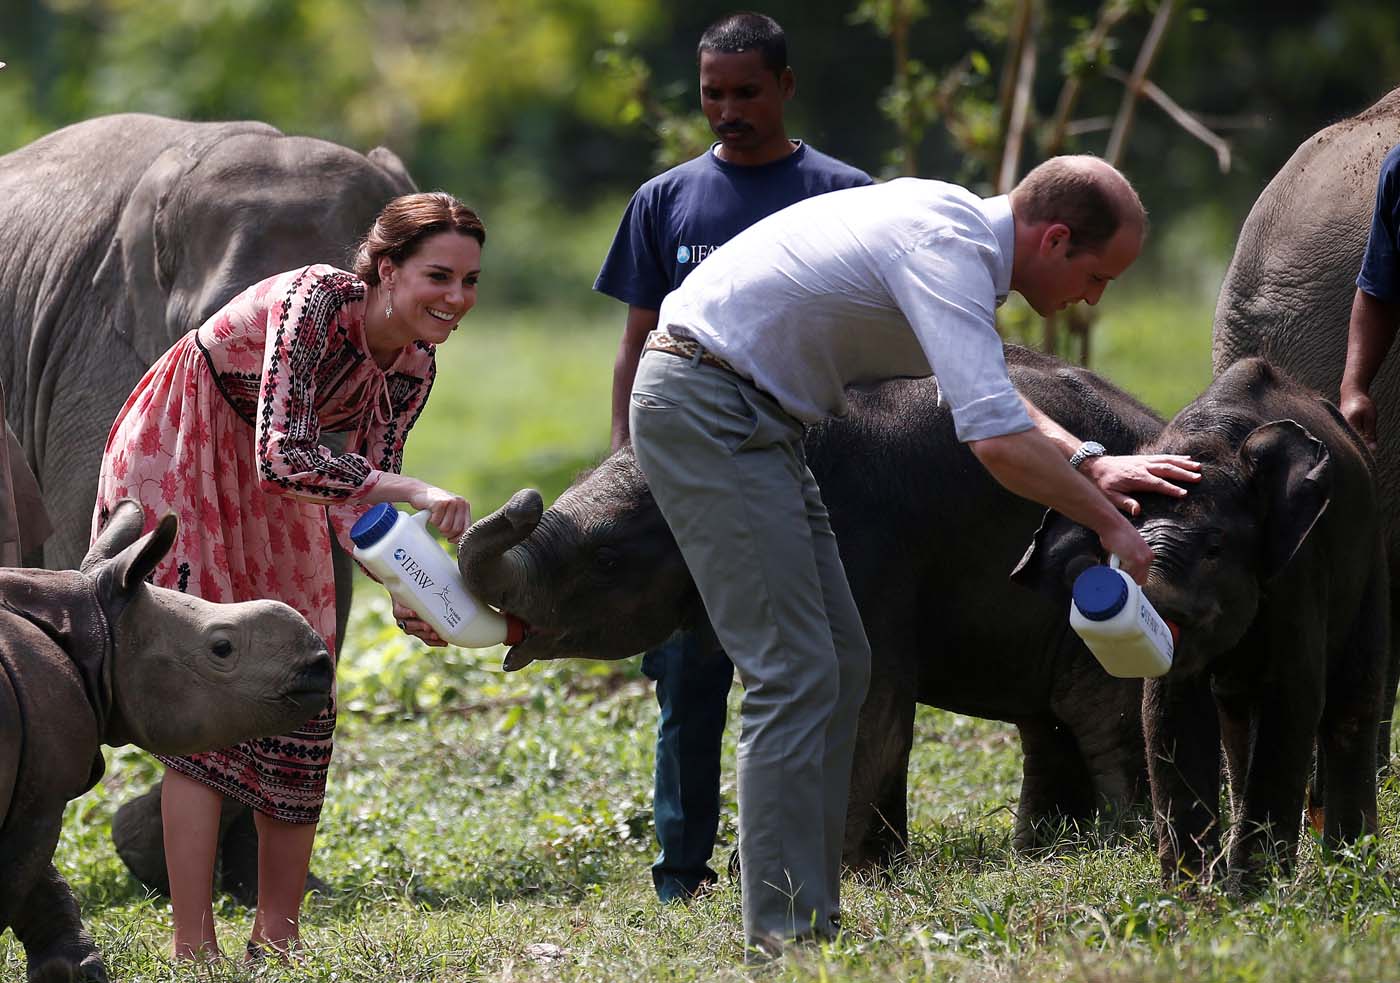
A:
726,467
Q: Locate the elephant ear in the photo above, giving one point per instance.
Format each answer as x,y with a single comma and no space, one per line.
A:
138,271
1291,474
1059,552
388,162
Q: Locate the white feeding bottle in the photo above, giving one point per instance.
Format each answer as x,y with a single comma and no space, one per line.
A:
1118,623
399,550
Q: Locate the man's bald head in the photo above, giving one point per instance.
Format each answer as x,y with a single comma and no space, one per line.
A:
1083,192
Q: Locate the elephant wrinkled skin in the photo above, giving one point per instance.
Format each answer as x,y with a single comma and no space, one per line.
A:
1288,292
121,234
1272,568
98,656
927,538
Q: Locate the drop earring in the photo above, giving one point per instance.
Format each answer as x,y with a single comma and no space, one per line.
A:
389,304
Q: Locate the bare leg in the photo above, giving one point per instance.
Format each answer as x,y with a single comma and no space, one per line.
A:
190,818
284,854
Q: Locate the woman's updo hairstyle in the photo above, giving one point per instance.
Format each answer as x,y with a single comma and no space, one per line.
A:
405,222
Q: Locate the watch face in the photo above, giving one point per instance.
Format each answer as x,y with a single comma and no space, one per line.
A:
1092,448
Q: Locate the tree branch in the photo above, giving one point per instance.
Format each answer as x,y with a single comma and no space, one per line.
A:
1118,139
1181,117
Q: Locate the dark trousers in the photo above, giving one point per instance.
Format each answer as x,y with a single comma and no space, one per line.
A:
692,689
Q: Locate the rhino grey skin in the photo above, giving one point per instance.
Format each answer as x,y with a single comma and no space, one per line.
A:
1288,292
172,674
928,539
1273,569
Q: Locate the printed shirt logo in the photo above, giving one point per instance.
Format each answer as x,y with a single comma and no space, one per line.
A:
686,255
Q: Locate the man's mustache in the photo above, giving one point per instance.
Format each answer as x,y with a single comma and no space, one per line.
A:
733,128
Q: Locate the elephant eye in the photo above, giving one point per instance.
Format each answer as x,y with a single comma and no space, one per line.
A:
223,648
1215,545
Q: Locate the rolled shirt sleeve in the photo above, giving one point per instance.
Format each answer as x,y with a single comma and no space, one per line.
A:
945,288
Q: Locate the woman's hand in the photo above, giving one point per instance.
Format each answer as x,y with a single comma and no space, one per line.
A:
408,621
450,513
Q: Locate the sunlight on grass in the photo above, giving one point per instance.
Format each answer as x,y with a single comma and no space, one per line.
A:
494,826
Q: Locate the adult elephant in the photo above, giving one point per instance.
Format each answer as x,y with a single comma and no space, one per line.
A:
122,233
1289,289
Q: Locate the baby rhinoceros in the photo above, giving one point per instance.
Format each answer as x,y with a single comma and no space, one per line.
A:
98,656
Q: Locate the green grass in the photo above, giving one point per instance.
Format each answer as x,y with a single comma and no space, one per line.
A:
521,399
490,826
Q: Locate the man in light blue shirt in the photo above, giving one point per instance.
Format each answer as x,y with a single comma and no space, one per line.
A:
852,287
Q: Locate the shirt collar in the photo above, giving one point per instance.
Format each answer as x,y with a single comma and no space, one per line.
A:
998,213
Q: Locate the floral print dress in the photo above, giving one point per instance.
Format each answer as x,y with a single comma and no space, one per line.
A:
225,431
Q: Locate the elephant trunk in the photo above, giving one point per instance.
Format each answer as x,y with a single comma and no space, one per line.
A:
484,557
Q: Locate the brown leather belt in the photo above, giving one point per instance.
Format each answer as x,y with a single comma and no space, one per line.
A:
660,341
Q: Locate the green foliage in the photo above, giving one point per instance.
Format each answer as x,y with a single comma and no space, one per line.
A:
521,399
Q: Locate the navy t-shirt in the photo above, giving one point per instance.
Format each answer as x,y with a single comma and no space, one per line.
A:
1380,267
680,216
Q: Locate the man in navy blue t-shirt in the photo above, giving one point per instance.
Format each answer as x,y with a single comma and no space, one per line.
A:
1375,313
673,222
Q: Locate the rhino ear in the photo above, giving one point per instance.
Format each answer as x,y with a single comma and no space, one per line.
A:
1059,552
1291,473
122,529
136,273
135,563
388,162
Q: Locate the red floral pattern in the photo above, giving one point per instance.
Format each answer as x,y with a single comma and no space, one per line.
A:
225,431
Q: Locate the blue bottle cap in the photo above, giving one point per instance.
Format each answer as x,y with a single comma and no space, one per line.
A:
1099,593
374,525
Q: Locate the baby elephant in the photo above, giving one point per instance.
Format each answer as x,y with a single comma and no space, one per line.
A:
98,656
1273,569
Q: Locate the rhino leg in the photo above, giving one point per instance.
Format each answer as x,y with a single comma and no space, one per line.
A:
59,949
877,823
1056,789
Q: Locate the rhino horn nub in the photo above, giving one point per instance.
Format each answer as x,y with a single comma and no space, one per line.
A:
481,555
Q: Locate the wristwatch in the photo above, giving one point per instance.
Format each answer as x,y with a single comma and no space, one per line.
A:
1088,449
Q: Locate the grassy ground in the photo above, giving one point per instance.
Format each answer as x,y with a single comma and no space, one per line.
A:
491,826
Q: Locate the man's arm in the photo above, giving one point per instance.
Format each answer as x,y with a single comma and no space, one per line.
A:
1116,476
1369,336
1031,465
641,321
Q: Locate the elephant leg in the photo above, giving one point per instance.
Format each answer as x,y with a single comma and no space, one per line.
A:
877,817
238,853
1183,763
1392,667
1355,708
57,946
1346,750
1266,826
344,570
1055,785
138,834
1235,717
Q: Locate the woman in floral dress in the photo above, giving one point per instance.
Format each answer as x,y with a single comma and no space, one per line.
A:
225,431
